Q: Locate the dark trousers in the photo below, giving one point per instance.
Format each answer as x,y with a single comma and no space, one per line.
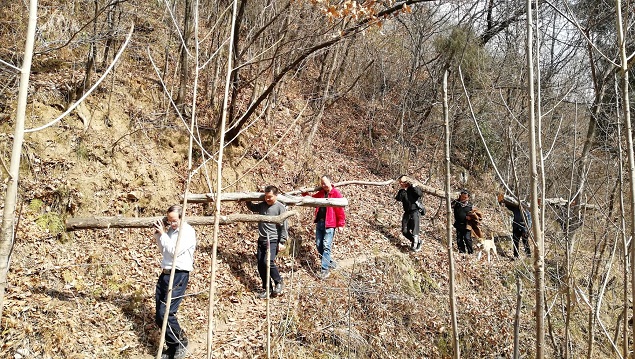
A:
410,224
261,255
173,333
517,235
464,240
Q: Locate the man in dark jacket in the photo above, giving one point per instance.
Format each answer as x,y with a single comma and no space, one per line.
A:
520,227
408,195
461,207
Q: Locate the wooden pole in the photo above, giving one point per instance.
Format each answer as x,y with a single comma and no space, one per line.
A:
288,200
75,224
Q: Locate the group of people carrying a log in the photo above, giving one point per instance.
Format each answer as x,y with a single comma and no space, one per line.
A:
272,238
466,218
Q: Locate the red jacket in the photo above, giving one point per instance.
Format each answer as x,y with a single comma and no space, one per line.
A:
335,216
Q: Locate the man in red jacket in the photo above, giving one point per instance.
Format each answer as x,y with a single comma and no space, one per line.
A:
326,220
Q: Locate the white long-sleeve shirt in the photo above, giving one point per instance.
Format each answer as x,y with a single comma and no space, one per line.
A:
187,246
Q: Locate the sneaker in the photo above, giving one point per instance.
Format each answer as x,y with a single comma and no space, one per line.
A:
333,265
418,245
324,274
278,288
263,295
181,352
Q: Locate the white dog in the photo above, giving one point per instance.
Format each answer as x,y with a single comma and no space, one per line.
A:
486,246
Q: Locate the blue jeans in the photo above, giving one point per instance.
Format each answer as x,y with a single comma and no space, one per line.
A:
323,242
173,334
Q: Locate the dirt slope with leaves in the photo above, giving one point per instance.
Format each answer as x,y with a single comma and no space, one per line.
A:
90,294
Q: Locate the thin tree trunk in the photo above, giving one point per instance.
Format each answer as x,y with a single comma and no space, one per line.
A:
453,310
10,199
629,140
519,302
622,216
235,87
534,185
324,102
80,88
184,73
219,185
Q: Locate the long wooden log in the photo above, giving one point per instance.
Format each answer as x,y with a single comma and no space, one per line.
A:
291,198
557,202
303,201
74,224
288,198
341,184
425,188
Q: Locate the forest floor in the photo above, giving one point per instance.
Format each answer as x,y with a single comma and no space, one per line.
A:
91,294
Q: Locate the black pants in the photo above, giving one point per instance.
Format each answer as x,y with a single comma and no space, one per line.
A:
261,255
464,240
173,334
517,235
410,224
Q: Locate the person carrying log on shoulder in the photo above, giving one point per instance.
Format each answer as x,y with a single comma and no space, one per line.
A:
520,225
327,219
409,195
462,208
271,238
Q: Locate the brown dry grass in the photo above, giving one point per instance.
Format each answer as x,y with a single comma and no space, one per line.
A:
90,295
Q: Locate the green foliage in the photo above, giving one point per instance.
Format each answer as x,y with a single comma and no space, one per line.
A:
82,152
462,48
51,222
36,205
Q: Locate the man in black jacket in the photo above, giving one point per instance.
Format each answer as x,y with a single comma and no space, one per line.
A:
520,228
461,207
408,195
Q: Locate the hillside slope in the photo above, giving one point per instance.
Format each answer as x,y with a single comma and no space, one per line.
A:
90,294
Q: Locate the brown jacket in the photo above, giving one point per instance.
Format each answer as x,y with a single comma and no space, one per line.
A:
474,218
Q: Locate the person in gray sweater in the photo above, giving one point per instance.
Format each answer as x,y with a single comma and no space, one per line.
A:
271,236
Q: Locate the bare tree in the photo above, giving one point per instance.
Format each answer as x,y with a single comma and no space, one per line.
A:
626,112
448,200
10,199
219,187
539,261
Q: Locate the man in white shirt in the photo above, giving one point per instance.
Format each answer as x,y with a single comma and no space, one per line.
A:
182,258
